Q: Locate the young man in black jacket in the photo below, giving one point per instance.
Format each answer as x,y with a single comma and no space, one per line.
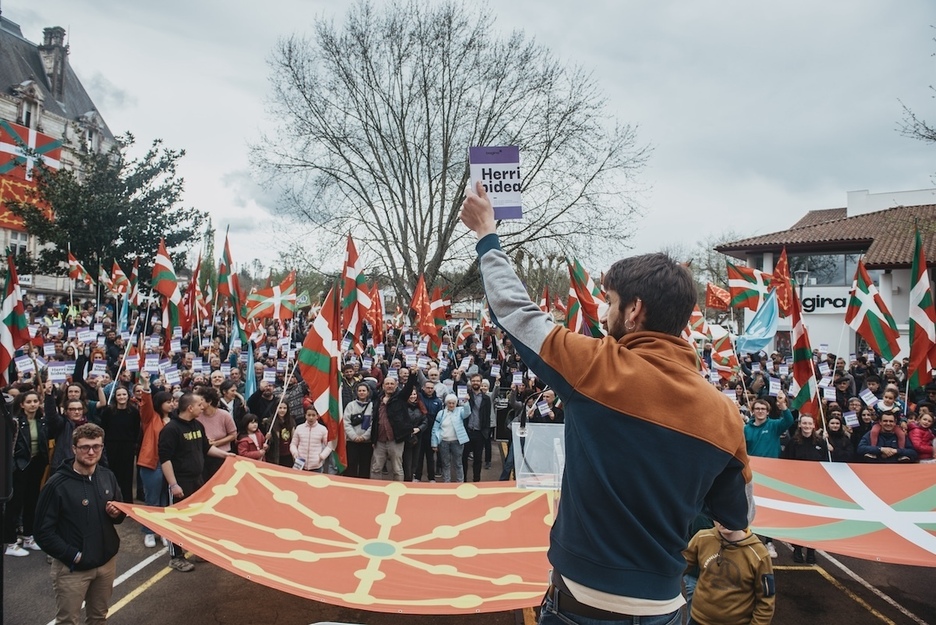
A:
75,521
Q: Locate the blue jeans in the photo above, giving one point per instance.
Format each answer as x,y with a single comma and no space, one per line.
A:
154,488
549,616
450,455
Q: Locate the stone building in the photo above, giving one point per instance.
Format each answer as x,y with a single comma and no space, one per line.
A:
44,106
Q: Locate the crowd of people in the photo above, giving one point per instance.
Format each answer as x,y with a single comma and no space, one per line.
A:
405,416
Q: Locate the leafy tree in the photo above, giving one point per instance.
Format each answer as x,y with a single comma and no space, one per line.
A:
111,207
373,123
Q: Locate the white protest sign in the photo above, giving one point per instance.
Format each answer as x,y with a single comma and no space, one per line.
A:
497,168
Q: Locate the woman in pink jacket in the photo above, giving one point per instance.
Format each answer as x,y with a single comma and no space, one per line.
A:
309,444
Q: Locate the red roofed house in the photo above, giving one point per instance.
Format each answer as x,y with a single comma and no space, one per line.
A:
877,227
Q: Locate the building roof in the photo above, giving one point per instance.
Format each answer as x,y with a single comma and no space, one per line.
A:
20,61
885,237
820,216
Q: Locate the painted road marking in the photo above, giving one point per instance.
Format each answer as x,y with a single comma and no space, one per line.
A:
139,590
874,589
130,573
881,594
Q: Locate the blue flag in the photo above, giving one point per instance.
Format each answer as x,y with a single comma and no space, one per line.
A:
762,328
250,377
122,320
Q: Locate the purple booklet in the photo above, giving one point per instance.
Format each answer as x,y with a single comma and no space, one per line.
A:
498,169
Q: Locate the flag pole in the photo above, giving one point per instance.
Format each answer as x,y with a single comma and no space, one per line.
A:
123,361
289,374
214,313
822,417
71,296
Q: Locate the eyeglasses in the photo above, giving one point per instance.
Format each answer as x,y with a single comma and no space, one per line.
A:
76,409
86,448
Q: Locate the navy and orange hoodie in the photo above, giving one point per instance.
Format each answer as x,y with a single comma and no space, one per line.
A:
648,444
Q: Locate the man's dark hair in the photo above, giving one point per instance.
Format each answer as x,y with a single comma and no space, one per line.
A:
185,401
209,394
665,287
87,430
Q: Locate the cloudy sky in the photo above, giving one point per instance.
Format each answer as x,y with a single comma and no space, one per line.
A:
757,112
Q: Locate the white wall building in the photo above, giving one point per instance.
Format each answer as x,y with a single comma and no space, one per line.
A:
875,227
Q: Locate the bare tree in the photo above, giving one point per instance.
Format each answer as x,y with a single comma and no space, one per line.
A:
916,127
374,119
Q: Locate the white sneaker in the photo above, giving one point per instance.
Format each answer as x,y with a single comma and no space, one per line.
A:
149,540
771,550
30,543
165,541
15,550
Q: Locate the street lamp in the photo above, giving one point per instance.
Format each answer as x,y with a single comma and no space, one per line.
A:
802,275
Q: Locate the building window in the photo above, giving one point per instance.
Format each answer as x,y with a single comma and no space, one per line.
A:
830,269
30,114
19,243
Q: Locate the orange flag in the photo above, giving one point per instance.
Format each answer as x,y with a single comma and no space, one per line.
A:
716,297
782,284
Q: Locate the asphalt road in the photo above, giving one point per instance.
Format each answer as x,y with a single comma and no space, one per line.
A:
837,590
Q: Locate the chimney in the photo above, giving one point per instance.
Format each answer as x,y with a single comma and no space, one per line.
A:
54,55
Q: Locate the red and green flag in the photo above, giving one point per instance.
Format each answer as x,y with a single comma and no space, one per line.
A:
544,300
318,365
724,358
803,390
867,314
14,330
166,284
437,311
133,291
589,297
276,302
466,332
105,279
119,280
76,271
355,297
747,287
698,324
573,312
922,320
